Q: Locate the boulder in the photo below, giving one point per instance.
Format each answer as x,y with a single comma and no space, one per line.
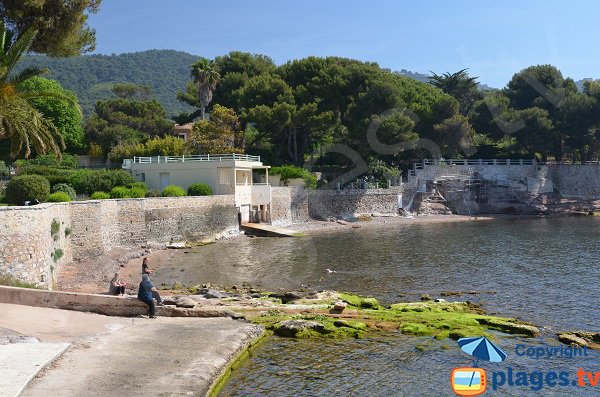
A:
291,328
339,306
426,297
185,301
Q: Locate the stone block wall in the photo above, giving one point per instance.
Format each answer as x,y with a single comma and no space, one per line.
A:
289,205
88,229
324,204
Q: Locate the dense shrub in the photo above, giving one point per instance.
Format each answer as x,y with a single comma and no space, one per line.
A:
100,196
59,197
54,175
49,160
89,181
290,172
199,189
119,192
137,192
173,191
63,187
140,185
27,188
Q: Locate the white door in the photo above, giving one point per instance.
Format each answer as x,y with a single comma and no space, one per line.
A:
165,180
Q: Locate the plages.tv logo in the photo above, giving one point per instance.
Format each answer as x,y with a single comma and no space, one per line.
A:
472,381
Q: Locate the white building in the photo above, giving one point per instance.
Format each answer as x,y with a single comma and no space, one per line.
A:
242,175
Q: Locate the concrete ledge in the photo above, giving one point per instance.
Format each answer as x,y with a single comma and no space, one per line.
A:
102,304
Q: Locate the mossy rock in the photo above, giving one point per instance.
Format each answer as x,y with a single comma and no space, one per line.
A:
360,302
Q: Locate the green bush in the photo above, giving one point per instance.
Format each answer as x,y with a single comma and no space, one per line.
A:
199,189
100,196
173,191
59,197
63,187
290,172
140,185
27,188
89,181
137,192
119,192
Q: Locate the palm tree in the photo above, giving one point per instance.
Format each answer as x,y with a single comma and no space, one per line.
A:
20,122
205,77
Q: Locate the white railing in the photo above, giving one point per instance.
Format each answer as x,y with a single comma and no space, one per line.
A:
596,162
422,164
192,158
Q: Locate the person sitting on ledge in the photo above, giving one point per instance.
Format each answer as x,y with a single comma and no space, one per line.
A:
116,287
145,293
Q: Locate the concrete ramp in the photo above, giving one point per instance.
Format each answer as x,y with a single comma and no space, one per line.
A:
262,230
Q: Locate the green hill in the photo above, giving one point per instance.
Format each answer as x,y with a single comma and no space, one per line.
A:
91,76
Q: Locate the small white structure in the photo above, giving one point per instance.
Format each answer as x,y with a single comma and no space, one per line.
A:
242,175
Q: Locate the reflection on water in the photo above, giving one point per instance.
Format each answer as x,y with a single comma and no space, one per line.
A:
386,367
541,270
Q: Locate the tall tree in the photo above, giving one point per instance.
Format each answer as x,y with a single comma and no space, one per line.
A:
123,121
64,114
459,85
221,134
20,121
199,91
61,24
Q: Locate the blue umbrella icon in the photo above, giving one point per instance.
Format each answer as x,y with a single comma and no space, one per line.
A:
482,349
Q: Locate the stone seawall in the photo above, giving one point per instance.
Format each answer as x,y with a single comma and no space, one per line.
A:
289,205
324,204
37,242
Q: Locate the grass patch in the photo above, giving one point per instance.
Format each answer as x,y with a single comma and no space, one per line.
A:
10,281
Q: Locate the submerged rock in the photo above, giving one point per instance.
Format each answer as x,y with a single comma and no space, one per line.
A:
571,339
581,338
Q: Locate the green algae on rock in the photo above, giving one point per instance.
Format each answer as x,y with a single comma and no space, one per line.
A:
364,316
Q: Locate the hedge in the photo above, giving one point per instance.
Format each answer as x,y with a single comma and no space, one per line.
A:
89,181
24,188
119,192
199,189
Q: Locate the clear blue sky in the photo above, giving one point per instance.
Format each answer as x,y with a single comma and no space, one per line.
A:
493,39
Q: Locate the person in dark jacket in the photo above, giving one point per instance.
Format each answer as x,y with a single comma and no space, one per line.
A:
145,292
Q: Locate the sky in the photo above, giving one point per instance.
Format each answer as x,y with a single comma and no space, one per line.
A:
494,39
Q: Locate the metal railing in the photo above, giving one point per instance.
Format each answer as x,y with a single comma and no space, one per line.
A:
193,158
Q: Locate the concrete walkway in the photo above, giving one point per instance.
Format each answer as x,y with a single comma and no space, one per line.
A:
124,356
20,362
